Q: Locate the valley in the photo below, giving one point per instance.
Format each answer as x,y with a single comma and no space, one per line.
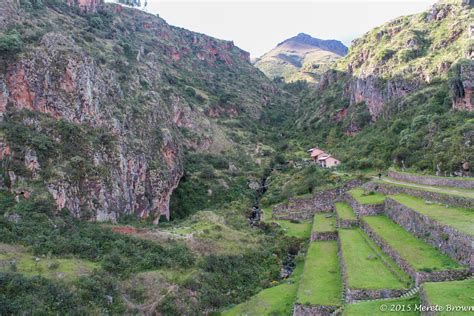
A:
147,169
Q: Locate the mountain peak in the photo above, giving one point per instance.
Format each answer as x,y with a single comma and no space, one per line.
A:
331,45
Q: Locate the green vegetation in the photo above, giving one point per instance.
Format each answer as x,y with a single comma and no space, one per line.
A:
394,307
345,211
460,218
16,259
420,255
278,299
367,197
367,266
454,293
324,222
298,230
321,282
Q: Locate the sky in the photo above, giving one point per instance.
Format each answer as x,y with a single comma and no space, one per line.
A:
258,26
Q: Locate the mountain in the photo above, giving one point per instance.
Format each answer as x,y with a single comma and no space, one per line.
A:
301,57
402,95
102,106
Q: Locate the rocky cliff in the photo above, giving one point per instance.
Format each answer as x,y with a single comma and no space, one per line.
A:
100,103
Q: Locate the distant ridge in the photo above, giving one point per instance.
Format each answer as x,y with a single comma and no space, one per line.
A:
301,57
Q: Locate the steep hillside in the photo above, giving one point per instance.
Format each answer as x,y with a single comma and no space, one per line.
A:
301,57
402,95
103,106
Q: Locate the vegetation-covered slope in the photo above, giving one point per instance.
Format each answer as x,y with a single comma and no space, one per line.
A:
402,95
301,57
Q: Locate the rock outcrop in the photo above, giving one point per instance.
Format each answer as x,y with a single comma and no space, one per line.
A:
103,117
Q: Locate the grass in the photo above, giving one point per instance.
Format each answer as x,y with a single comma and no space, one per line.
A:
459,218
277,300
324,222
423,187
373,308
456,293
367,198
344,211
48,267
321,282
367,266
298,230
420,255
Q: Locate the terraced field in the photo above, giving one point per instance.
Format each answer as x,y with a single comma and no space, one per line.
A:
374,308
460,218
363,198
443,190
420,255
344,211
321,282
299,230
367,266
454,293
324,222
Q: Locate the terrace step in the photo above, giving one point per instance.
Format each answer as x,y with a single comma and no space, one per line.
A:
449,196
464,183
417,258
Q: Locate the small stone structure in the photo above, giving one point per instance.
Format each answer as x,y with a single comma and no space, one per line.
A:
389,189
363,209
323,236
432,180
449,240
418,276
313,310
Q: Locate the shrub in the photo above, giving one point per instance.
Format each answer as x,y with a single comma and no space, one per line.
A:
11,42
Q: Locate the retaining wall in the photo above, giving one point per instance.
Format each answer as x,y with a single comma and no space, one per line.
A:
313,310
418,276
431,180
388,189
363,209
322,236
347,223
425,303
449,240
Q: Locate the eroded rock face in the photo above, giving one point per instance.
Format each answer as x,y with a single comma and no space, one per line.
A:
126,113
464,99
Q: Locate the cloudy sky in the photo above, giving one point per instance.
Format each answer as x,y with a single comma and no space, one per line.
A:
257,26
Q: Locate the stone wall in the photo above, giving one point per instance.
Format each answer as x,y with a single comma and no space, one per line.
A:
431,180
418,276
450,241
363,209
313,310
388,189
322,236
305,208
425,302
347,223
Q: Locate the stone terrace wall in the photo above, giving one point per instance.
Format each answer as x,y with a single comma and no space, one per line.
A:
431,180
353,295
313,310
449,240
347,223
389,189
305,208
418,276
425,302
363,209
322,236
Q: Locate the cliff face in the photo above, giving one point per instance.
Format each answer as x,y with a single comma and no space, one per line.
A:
94,108
400,57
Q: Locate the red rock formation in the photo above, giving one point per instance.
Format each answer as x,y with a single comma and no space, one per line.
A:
87,6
